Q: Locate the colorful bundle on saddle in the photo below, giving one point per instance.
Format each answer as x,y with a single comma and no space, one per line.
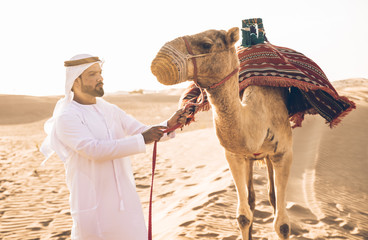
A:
264,64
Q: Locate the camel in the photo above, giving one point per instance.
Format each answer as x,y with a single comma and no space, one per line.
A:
254,126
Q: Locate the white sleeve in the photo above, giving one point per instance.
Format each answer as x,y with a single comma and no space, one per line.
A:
133,126
74,134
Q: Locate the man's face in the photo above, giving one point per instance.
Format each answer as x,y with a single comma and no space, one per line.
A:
91,81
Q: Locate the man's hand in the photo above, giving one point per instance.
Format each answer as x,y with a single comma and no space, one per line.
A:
153,134
179,116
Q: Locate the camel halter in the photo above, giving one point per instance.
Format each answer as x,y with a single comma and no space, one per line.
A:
195,69
195,79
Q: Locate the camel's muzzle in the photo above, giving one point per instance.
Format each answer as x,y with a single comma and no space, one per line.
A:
170,65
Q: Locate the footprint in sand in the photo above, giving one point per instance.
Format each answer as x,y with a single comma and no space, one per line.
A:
261,214
211,200
208,235
332,220
218,178
142,186
221,204
186,223
165,194
348,226
230,238
62,234
201,166
47,222
218,216
343,224
262,217
260,181
297,230
198,207
193,196
264,202
169,181
190,185
212,213
141,178
200,228
217,193
34,228
310,221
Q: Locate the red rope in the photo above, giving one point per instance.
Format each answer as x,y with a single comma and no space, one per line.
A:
154,155
225,79
150,201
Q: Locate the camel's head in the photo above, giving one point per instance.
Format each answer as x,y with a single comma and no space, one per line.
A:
214,53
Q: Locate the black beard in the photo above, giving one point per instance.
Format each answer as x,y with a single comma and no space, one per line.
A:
95,92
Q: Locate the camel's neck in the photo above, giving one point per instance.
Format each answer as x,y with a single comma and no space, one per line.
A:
225,100
227,108
243,124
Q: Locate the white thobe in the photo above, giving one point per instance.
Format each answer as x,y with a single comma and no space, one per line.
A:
103,199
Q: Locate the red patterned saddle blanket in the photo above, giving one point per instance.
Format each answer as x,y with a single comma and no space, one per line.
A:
309,90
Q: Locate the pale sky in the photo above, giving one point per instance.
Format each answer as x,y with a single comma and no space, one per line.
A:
37,36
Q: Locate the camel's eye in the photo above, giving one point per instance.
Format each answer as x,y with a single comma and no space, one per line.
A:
206,45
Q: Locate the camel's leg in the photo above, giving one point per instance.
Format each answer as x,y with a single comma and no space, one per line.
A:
240,174
251,193
271,184
281,165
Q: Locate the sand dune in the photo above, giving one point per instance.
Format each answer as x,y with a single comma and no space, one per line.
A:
194,196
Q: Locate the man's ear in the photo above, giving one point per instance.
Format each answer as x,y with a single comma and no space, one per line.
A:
232,36
77,83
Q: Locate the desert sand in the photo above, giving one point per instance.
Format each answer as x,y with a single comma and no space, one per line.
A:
194,196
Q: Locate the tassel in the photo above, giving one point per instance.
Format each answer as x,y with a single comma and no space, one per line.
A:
122,207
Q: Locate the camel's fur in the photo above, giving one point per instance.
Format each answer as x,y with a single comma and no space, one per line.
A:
256,123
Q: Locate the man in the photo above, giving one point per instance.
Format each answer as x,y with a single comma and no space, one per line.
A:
94,139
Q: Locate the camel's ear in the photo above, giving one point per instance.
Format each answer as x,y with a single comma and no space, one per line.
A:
232,36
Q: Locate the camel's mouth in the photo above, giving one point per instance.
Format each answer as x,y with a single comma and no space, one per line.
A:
169,66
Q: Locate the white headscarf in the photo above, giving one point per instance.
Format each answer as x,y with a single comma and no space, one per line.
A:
51,143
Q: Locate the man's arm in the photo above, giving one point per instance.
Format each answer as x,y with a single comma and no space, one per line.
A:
131,125
151,133
74,134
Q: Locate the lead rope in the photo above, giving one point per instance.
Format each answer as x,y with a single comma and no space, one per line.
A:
154,156
189,104
153,175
